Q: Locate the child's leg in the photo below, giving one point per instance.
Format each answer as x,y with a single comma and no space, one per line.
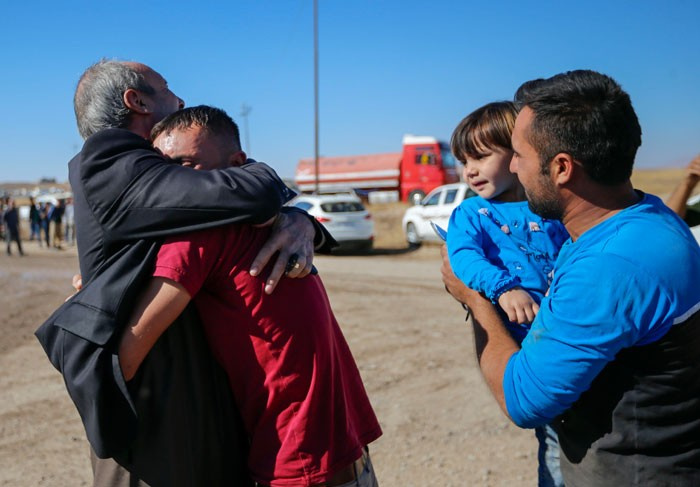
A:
548,470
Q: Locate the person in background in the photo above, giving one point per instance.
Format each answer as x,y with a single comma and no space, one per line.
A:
45,221
497,246
56,217
34,221
678,201
69,222
10,219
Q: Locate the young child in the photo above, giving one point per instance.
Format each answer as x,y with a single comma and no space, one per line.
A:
496,245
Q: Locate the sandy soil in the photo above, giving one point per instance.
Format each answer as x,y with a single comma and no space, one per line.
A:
415,352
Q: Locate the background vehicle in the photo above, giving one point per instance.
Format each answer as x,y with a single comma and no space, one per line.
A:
343,215
424,164
693,202
436,207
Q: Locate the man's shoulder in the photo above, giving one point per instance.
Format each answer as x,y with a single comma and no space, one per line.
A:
115,136
111,156
111,145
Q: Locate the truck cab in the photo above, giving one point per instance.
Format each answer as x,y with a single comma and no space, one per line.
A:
426,164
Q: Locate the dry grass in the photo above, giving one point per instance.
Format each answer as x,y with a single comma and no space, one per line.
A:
387,217
657,181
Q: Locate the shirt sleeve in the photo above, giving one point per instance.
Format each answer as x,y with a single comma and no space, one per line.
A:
157,198
467,257
586,320
189,259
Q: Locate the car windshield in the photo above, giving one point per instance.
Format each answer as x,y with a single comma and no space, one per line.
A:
450,196
433,199
342,206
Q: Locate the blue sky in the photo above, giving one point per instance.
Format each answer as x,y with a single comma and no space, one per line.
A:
387,68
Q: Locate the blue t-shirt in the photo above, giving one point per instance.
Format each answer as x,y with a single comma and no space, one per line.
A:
495,246
623,283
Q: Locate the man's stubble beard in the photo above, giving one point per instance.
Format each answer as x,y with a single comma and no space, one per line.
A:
546,204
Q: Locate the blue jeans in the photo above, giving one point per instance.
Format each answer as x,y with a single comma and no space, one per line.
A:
366,478
548,470
35,231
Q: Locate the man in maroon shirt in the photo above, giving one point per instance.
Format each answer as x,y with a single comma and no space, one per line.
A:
293,376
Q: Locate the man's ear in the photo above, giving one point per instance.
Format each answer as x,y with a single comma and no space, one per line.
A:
135,101
561,168
237,159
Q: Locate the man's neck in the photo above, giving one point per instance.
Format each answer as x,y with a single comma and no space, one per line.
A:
585,210
140,129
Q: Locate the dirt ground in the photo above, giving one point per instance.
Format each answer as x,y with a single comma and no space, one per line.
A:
415,352
410,340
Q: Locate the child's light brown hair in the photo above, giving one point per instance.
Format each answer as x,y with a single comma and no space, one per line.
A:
488,127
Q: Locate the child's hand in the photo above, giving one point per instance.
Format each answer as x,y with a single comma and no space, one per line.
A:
518,305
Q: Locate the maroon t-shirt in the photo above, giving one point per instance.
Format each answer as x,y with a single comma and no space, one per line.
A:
291,371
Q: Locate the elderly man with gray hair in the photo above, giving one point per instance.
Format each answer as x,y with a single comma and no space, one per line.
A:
167,426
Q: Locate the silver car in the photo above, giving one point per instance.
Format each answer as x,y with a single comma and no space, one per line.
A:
436,207
343,215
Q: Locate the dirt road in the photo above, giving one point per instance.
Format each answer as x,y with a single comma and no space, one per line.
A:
415,352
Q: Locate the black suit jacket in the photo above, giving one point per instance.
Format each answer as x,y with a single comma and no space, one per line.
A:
126,197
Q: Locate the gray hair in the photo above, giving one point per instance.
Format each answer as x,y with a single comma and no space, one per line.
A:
98,100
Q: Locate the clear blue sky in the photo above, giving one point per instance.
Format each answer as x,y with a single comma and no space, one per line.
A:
387,67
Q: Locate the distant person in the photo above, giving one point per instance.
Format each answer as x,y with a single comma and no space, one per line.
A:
3,204
497,245
34,221
611,360
69,222
295,381
45,221
678,201
10,219
56,217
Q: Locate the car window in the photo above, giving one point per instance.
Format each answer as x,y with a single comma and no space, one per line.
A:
450,196
304,205
342,206
433,200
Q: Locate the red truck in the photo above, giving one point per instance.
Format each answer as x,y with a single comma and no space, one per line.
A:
424,164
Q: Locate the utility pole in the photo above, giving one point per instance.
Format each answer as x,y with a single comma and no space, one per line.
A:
245,111
316,166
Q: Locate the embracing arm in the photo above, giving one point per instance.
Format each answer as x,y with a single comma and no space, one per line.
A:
159,305
134,192
494,345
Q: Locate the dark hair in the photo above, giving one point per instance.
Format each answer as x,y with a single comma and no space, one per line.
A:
213,120
98,100
485,128
525,90
588,116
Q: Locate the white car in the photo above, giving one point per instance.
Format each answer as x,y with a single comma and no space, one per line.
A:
694,200
436,207
344,215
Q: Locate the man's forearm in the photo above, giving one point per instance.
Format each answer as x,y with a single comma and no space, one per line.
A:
158,306
168,199
494,345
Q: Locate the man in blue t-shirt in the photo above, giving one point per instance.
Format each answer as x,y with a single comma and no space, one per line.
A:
611,359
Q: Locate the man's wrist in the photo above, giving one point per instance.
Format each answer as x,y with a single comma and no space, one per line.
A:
319,236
